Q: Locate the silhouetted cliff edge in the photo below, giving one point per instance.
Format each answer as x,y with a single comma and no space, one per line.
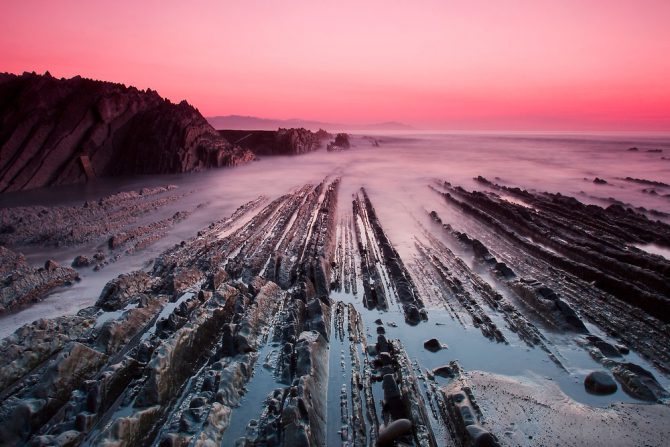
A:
60,131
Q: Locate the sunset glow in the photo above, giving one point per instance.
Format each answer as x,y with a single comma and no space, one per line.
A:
518,65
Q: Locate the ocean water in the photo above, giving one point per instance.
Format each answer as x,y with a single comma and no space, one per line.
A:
396,175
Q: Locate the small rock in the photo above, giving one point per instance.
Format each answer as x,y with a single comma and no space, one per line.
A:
622,349
433,345
444,371
81,261
51,265
412,315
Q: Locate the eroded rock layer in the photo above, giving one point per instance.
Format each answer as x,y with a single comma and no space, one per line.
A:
297,322
61,131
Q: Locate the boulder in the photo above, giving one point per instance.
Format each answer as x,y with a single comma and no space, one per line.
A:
600,382
81,261
433,345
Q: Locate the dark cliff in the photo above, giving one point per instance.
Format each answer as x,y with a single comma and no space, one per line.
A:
276,142
61,131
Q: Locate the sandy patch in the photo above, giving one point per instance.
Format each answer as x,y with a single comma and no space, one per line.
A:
538,413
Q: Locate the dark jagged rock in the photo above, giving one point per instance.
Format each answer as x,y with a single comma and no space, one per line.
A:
585,254
607,349
34,343
548,303
448,371
61,131
340,143
433,345
639,383
35,404
599,181
81,261
190,330
120,291
279,142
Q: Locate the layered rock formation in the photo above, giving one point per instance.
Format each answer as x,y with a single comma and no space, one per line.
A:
61,131
285,325
279,142
117,373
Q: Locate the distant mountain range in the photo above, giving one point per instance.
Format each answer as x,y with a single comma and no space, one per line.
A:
255,123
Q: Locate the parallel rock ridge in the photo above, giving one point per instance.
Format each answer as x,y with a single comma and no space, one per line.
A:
164,356
62,131
287,327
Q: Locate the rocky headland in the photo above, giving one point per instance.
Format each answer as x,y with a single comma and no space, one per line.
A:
62,131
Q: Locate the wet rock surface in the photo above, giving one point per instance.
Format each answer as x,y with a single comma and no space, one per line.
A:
62,131
297,321
588,266
599,382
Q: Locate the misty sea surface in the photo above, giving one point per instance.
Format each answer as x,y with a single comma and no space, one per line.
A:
396,175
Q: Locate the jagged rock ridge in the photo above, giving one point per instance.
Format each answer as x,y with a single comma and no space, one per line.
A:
62,131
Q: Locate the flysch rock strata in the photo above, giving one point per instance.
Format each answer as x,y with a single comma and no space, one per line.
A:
64,131
288,324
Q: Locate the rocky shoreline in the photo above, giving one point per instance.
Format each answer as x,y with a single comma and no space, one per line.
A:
296,321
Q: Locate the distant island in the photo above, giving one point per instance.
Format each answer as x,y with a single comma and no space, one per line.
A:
239,122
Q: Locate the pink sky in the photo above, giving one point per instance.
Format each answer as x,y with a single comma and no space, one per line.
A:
437,64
